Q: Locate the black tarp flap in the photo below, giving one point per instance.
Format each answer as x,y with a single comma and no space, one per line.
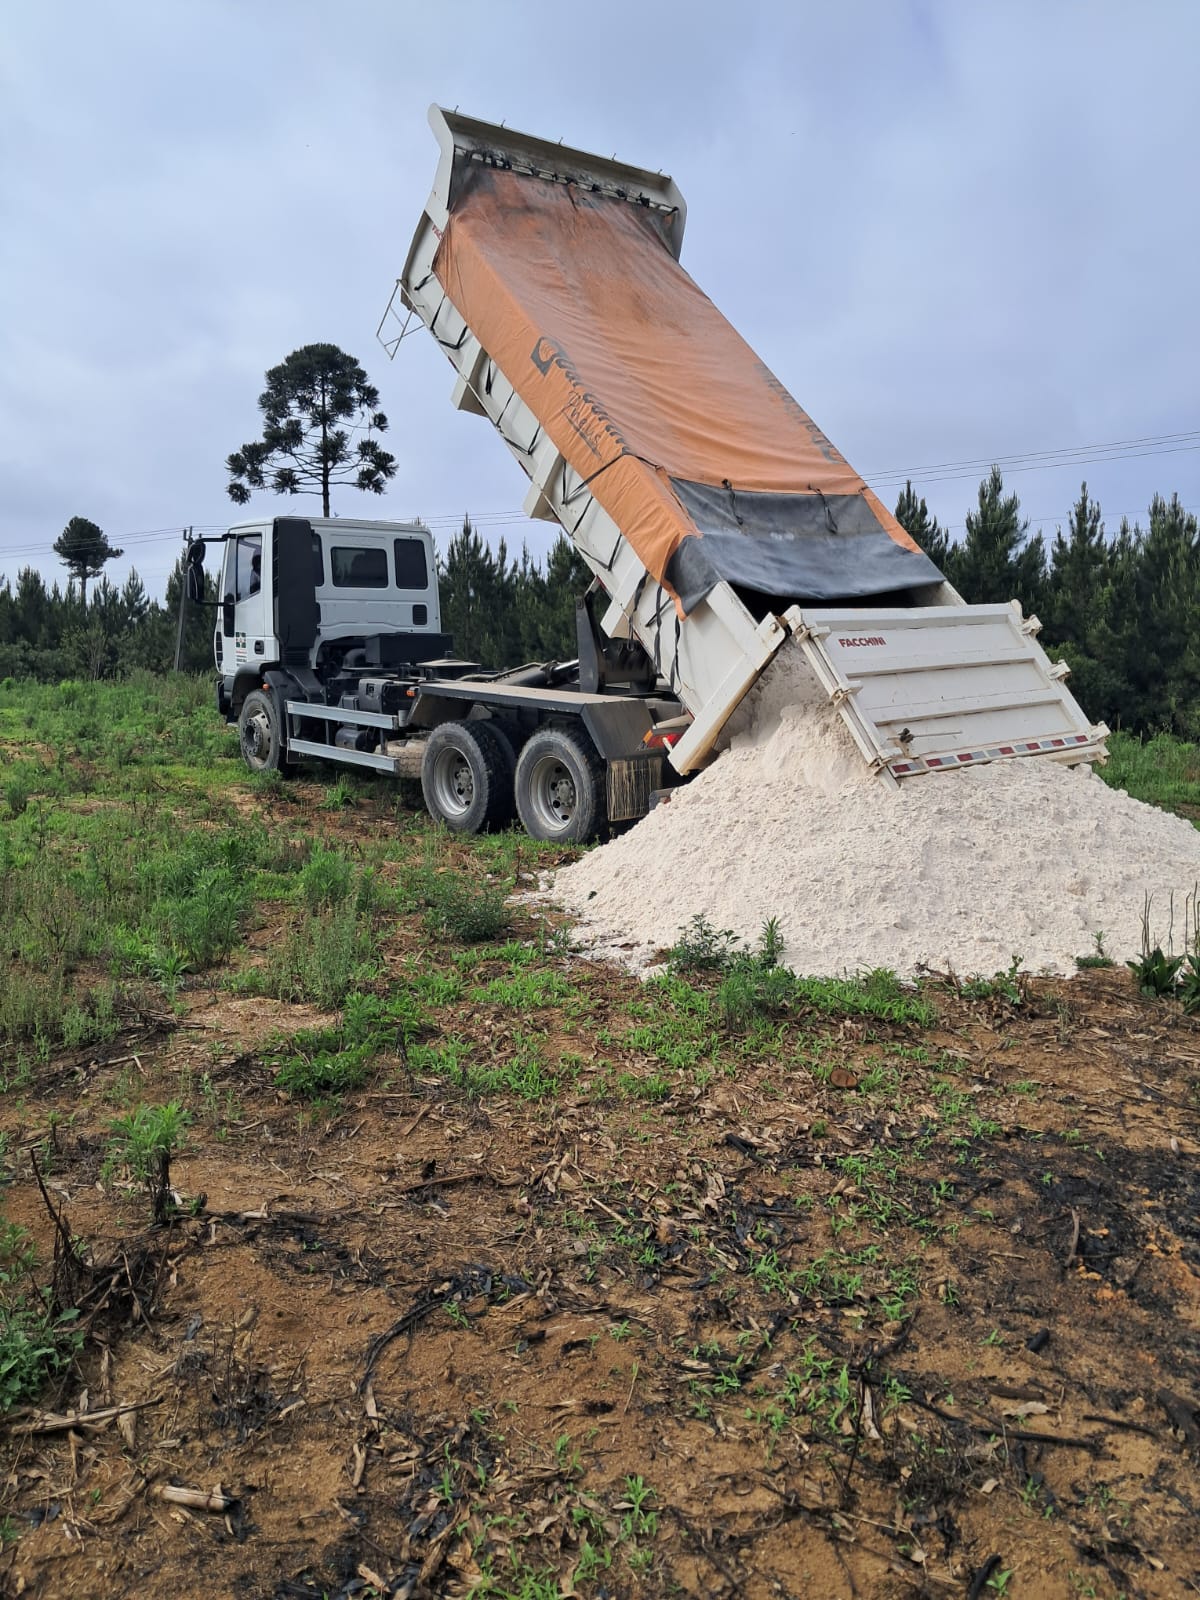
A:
792,546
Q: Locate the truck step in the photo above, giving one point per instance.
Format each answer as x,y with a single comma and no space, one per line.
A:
349,758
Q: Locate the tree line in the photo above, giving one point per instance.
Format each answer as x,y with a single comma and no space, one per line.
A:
1122,609
500,609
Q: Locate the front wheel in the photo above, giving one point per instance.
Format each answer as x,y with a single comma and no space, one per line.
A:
260,733
561,789
467,776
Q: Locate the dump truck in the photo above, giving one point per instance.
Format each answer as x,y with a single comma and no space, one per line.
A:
328,644
716,518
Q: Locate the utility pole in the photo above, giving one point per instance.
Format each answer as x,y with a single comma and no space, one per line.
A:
187,539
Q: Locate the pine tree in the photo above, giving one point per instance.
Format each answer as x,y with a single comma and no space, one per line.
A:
305,447
1078,571
134,600
83,548
997,561
913,516
1167,600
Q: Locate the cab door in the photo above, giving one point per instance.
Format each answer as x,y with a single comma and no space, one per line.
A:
246,621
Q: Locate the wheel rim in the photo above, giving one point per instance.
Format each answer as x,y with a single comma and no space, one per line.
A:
552,793
256,738
453,783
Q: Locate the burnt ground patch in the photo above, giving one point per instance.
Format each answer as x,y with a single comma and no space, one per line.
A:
591,1294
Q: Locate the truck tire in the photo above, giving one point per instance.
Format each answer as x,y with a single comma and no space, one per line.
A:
561,790
260,733
467,776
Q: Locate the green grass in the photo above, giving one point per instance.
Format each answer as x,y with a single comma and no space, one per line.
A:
523,1071
1164,771
319,1062
123,856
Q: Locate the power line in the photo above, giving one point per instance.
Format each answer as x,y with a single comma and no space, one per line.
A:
939,472
1037,466
1037,455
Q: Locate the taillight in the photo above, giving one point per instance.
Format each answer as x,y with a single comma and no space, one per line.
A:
661,741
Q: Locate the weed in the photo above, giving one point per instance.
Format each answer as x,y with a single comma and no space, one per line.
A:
321,958
754,988
524,1073
1097,957
524,991
771,1276
339,795
330,1061
1004,985
16,794
35,1340
325,879
34,1345
517,1581
567,1459
1156,974
457,908
638,1521
699,947
144,1141
1189,983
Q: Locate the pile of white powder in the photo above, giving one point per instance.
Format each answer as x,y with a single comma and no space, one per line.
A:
957,870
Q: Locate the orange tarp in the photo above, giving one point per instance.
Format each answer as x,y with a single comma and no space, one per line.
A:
627,364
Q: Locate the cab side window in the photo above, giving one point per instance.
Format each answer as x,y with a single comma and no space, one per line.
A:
412,571
356,567
248,572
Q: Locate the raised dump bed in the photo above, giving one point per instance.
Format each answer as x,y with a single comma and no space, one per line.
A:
714,513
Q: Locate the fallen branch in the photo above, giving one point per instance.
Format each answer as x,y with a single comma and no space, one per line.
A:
440,1183
1120,1422
1074,1239
195,1499
59,1422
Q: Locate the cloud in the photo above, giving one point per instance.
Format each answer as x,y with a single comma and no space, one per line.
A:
954,232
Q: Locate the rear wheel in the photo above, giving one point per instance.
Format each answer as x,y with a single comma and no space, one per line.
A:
560,787
260,733
467,776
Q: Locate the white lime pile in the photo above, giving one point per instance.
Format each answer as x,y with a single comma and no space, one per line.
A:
960,870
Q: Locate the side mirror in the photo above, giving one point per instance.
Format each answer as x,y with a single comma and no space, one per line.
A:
195,584
227,616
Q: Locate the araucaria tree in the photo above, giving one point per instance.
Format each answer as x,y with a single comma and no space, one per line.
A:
83,549
305,447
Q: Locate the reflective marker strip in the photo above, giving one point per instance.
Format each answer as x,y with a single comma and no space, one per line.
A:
996,753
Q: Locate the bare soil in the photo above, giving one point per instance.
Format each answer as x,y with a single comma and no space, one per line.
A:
789,1330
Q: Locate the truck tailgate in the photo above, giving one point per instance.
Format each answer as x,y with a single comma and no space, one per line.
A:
930,687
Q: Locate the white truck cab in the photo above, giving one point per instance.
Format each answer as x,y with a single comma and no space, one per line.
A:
370,578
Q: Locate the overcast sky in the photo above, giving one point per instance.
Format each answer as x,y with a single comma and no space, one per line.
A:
956,231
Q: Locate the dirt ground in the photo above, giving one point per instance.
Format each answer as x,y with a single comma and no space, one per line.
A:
879,1310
